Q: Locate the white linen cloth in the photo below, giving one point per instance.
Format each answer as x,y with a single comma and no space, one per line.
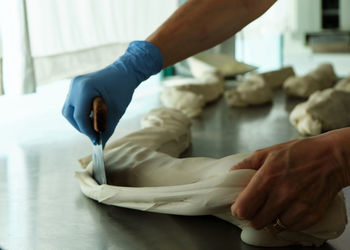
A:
53,39
143,174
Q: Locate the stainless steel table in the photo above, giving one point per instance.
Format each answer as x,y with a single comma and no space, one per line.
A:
41,206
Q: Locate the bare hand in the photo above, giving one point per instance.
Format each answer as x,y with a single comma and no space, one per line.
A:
295,181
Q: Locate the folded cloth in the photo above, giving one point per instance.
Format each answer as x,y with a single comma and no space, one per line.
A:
141,175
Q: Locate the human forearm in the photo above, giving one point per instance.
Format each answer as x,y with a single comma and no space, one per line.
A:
201,24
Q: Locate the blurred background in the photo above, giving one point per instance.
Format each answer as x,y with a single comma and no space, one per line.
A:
45,43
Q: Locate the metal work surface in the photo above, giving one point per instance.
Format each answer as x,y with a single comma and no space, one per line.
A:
41,206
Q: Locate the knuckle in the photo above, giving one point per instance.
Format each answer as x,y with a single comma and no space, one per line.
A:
78,117
64,112
257,153
82,83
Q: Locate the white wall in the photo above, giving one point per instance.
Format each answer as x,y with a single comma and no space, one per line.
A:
61,26
64,38
299,55
1,91
344,14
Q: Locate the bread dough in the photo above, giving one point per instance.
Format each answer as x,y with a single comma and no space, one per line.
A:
324,110
209,86
187,102
253,91
321,78
343,85
163,130
141,178
212,63
191,94
275,79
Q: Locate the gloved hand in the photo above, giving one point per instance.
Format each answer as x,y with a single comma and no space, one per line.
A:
115,84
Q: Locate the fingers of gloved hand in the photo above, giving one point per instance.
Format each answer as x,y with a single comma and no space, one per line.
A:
67,112
250,200
82,117
107,134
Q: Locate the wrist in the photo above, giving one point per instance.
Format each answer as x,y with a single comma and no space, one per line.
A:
339,140
141,59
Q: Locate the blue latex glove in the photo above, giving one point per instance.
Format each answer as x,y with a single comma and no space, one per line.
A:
115,84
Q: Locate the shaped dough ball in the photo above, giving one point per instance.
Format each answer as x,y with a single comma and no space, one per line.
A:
343,85
212,63
275,79
187,102
209,86
321,78
191,94
253,91
171,119
324,110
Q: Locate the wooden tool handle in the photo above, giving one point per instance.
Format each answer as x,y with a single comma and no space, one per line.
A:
99,109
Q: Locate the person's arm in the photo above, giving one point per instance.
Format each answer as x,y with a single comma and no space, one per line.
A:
201,24
295,181
195,26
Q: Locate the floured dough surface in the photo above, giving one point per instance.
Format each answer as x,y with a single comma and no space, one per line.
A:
252,91
321,78
324,110
190,95
143,173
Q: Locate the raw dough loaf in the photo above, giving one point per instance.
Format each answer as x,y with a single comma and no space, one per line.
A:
343,85
187,102
163,130
212,63
253,91
144,179
321,78
275,79
191,94
324,110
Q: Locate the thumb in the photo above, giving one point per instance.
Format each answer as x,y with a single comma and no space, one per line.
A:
244,164
253,161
